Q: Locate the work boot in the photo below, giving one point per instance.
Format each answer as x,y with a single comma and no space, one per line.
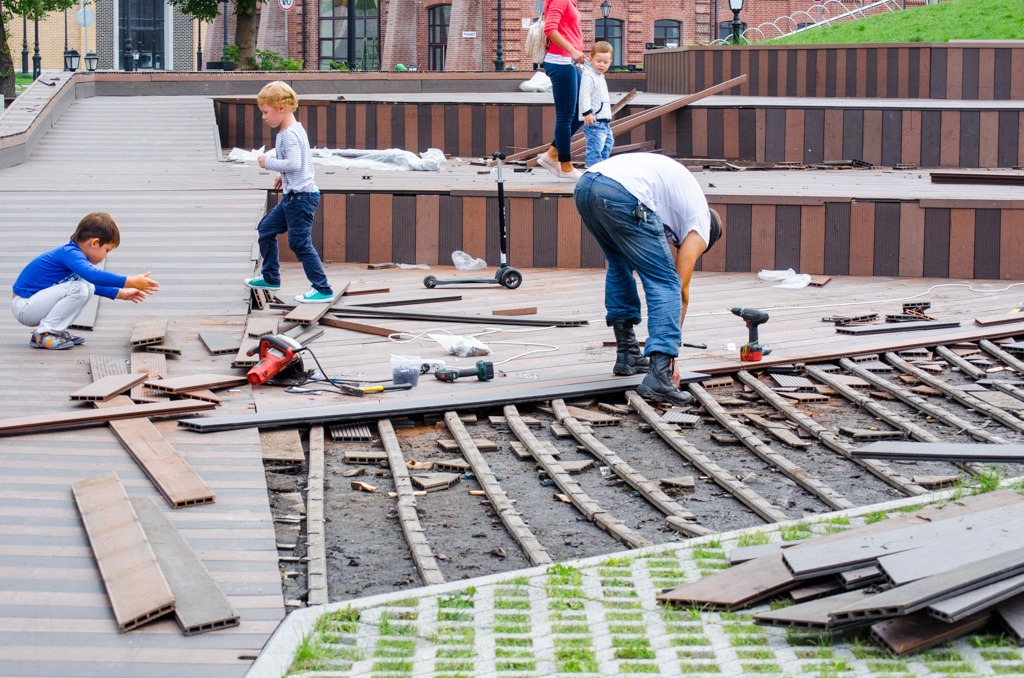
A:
658,386
629,359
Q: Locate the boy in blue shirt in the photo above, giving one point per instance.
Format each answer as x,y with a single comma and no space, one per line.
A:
294,214
54,288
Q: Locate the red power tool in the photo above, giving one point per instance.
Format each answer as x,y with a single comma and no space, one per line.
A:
279,355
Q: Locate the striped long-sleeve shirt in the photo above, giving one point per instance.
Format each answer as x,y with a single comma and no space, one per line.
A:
294,160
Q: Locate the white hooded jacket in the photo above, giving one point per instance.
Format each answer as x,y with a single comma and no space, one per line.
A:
594,97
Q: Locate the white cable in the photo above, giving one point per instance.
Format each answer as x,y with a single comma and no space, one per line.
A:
398,338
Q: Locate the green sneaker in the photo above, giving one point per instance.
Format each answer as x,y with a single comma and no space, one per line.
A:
314,297
258,283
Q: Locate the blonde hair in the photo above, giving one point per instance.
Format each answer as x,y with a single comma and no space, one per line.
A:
602,47
276,93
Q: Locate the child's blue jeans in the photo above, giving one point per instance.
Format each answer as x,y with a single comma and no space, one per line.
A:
600,141
293,215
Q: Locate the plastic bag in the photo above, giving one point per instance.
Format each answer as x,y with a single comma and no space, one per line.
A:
464,262
540,82
463,346
788,279
407,267
405,369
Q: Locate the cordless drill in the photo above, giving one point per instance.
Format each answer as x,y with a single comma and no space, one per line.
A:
484,371
752,350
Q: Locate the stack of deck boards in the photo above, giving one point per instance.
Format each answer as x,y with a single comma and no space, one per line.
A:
917,580
147,567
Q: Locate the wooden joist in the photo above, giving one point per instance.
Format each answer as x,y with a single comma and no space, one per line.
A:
316,525
136,587
193,382
167,470
108,387
199,604
78,418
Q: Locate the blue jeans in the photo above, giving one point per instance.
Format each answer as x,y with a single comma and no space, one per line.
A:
599,141
565,87
293,215
633,239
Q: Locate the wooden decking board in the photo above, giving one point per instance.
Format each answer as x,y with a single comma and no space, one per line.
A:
357,327
155,366
859,578
1001,319
996,537
193,382
815,560
167,346
1011,615
201,394
86,319
918,595
148,332
826,587
282,445
66,420
308,314
918,632
888,328
136,587
742,554
174,477
958,607
353,312
974,452
811,616
218,343
108,387
737,587
257,326
101,366
351,433
199,604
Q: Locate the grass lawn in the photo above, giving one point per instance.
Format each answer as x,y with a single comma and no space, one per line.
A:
959,20
22,80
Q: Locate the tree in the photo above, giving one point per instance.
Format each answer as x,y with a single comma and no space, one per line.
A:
245,21
32,10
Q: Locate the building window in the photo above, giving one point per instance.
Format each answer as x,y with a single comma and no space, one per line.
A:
349,34
147,18
610,30
725,29
438,17
666,33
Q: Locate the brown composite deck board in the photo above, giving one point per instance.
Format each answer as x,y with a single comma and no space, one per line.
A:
108,387
815,560
154,366
920,594
56,421
218,343
135,585
196,381
167,346
148,332
918,632
1011,615
907,451
176,480
309,314
199,604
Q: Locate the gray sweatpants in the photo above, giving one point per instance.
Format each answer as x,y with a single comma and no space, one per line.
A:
55,308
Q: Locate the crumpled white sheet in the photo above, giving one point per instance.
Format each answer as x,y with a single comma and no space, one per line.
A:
788,279
540,82
356,158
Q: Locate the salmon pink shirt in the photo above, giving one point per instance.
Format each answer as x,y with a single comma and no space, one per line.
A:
564,16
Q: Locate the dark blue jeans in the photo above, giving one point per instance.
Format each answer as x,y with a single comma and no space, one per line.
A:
293,215
633,239
565,87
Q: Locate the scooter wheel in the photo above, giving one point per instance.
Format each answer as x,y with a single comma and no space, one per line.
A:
511,278
430,282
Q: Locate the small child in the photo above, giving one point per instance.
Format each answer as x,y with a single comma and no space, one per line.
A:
54,288
596,105
294,214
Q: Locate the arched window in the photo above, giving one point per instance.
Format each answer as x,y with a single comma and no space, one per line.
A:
438,17
666,33
610,30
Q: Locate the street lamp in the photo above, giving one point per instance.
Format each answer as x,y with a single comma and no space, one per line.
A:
24,45
606,9
92,61
736,6
199,52
128,58
71,56
499,60
37,67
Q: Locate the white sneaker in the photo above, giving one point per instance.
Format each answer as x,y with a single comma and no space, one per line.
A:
314,297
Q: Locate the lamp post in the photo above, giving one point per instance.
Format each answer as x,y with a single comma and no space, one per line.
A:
24,45
736,6
499,60
128,58
199,52
36,58
225,15
71,56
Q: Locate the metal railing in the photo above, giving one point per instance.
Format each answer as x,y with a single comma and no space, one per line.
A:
829,12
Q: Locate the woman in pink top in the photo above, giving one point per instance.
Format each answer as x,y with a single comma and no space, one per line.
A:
564,29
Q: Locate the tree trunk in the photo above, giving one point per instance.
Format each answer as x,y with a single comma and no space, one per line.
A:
6,63
245,37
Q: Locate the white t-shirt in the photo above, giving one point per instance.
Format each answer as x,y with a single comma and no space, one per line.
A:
665,187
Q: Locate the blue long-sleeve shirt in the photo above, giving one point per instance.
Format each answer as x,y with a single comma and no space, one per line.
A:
62,265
